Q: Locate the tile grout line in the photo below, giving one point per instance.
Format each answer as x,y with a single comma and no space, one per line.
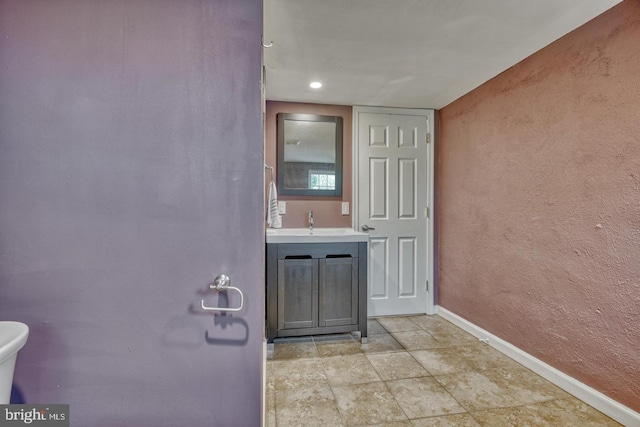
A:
430,374
372,382
467,410
396,400
453,343
440,384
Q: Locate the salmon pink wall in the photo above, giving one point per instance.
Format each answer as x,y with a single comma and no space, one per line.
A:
327,211
539,205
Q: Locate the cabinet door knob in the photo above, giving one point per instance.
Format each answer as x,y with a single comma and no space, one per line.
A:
366,228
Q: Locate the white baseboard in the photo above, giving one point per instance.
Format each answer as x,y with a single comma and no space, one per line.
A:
590,396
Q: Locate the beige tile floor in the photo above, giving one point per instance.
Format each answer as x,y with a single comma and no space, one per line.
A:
413,371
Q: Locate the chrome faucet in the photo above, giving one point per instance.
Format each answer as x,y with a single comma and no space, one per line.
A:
310,221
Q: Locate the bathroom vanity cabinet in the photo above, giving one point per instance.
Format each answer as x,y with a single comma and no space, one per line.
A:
316,288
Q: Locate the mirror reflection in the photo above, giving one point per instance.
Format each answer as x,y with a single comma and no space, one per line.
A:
309,155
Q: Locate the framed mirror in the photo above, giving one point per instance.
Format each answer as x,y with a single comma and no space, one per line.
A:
309,155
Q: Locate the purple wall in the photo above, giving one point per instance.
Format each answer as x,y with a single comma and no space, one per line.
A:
130,153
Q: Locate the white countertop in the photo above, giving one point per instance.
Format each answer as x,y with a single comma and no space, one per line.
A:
319,235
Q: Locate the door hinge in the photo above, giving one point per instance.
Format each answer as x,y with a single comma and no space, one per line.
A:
428,138
427,285
427,212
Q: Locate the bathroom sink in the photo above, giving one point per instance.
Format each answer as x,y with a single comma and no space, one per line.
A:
13,336
319,235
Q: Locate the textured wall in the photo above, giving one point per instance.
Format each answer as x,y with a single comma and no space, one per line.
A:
130,156
540,204
326,210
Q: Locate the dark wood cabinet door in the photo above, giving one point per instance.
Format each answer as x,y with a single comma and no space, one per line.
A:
338,291
297,293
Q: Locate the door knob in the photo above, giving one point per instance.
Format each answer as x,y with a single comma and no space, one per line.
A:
366,228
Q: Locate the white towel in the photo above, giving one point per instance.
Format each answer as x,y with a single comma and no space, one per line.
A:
274,220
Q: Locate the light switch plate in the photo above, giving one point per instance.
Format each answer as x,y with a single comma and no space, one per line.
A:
345,208
282,207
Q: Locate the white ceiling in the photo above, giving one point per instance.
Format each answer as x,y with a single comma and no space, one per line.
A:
405,53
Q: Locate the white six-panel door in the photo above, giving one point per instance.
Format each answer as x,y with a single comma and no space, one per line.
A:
394,193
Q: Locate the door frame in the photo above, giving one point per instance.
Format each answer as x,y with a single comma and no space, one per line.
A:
430,115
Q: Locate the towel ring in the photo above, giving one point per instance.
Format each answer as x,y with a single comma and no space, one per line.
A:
265,45
221,283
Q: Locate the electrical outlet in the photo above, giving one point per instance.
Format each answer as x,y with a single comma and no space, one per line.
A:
345,208
282,207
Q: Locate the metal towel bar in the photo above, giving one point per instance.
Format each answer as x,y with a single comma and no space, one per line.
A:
222,284
266,166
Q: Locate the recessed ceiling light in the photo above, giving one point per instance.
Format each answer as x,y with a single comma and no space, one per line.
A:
315,85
